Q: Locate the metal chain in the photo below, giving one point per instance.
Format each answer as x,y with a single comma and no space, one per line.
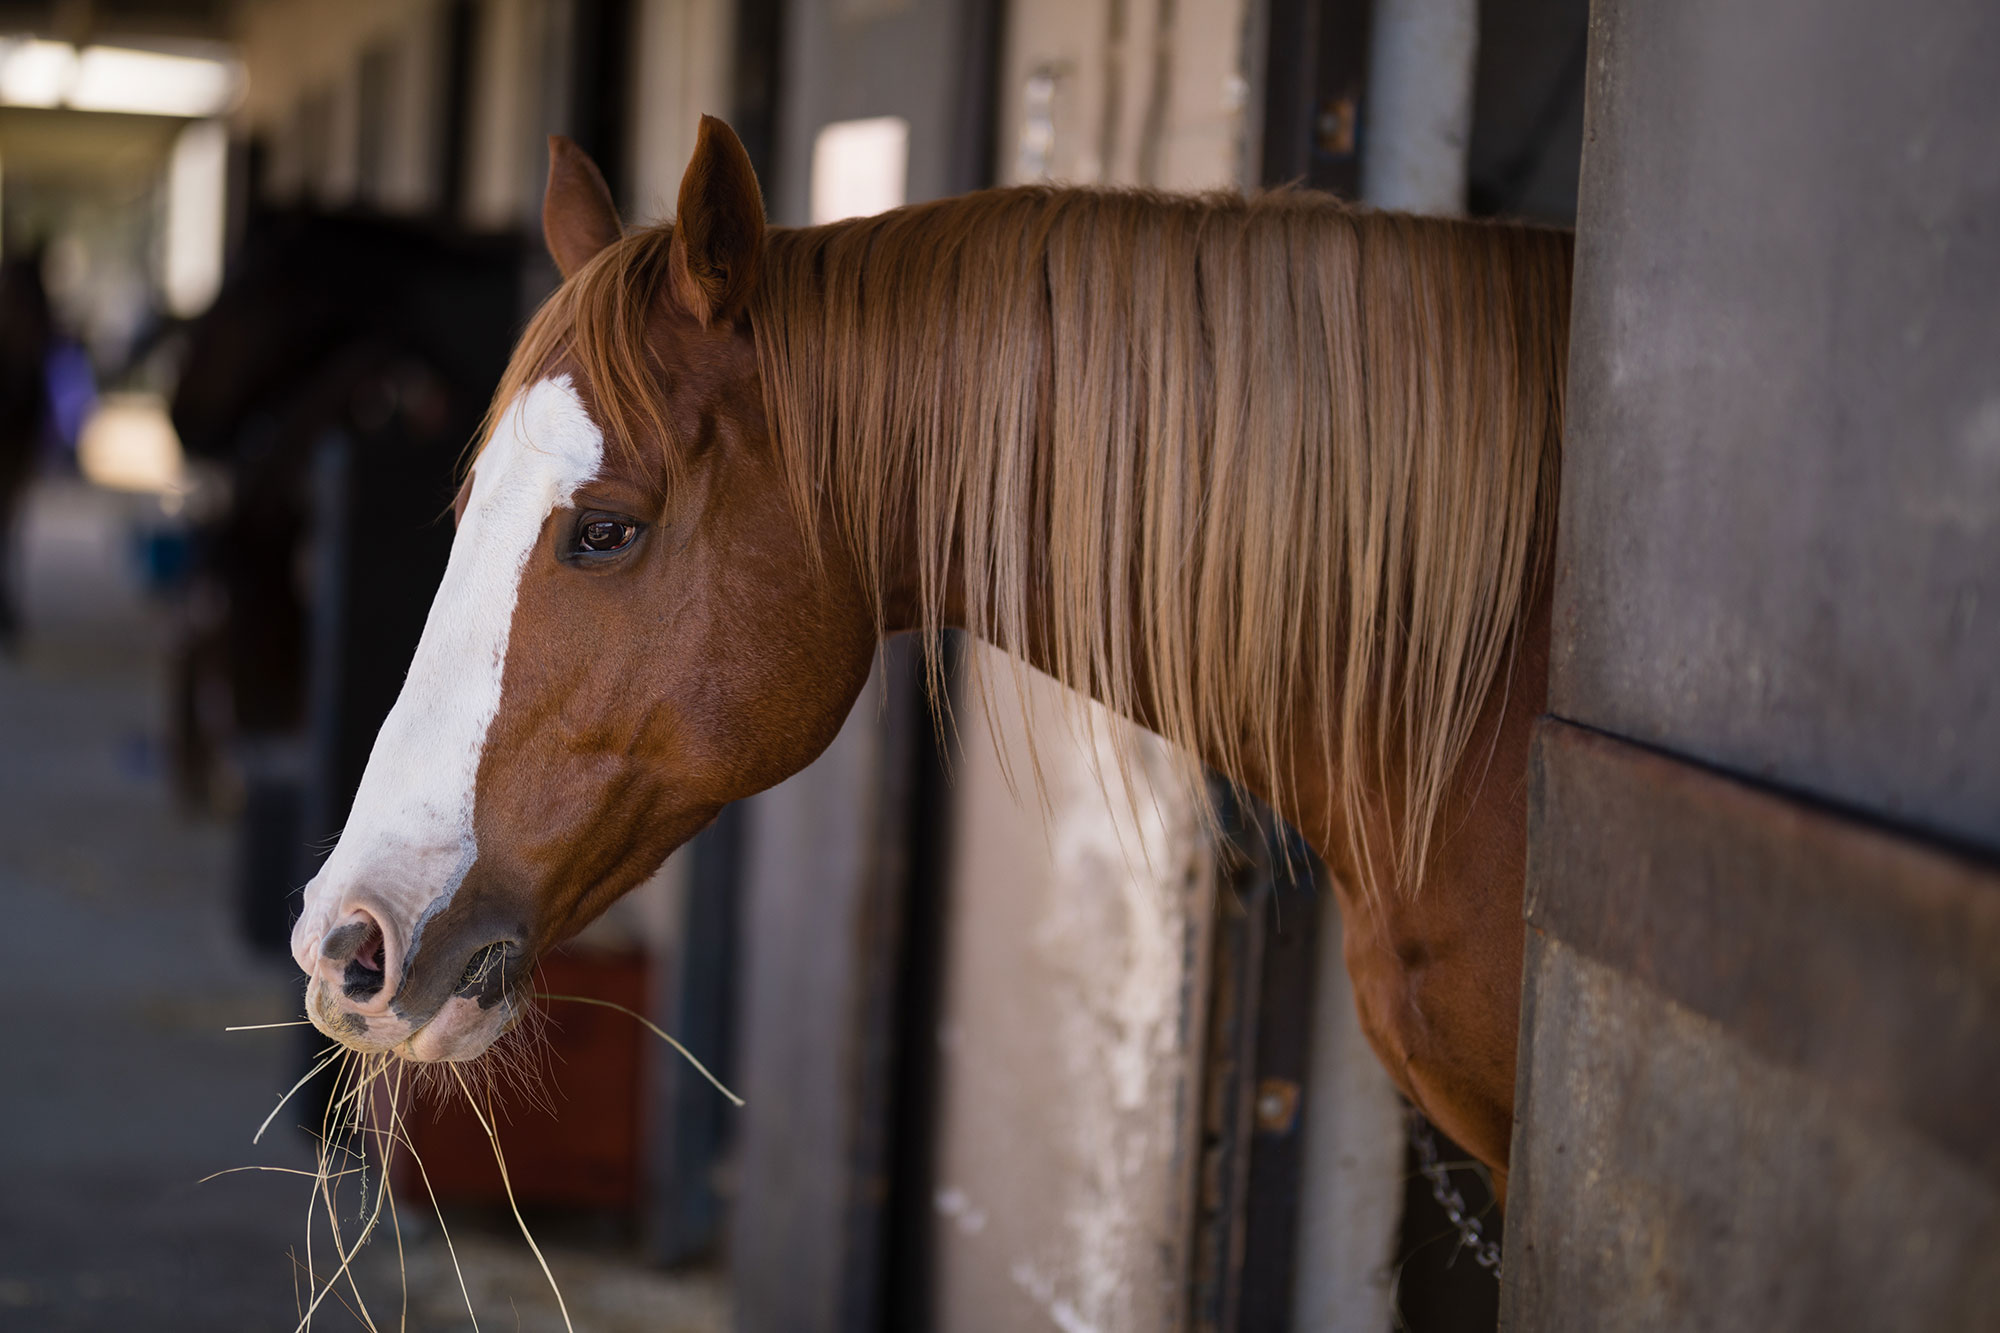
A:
1471,1235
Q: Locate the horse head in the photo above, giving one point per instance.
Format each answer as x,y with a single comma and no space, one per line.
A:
634,629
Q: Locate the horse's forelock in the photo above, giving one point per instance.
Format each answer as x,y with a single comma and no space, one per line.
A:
595,327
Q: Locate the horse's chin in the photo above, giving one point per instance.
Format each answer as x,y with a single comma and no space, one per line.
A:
462,1029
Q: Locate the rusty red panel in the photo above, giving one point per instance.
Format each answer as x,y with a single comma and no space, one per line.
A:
575,1142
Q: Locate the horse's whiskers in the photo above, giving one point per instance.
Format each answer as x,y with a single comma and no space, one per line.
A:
366,1110
652,1027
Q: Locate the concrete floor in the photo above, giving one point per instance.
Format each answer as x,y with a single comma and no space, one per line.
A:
119,1088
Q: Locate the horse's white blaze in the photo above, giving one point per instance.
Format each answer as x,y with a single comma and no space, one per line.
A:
409,839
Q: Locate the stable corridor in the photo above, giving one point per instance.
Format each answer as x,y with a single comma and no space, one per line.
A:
119,1089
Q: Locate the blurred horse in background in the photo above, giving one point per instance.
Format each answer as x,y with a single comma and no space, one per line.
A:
332,385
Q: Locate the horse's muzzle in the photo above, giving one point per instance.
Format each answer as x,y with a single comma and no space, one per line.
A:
447,1000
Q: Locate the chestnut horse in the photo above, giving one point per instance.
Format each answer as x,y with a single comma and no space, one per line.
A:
1274,477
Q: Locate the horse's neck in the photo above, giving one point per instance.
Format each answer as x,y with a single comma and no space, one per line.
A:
1435,964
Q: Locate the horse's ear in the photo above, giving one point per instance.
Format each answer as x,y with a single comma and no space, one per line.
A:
719,227
578,216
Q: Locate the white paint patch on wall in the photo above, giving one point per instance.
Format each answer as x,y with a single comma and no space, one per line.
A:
955,1204
1042,1289
409,837
1113,934
1070,1025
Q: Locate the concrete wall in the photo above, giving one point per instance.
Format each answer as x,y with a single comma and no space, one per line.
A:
1070,1053
1781,535
1762,1010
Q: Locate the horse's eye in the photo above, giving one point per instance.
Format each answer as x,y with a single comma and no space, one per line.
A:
601,536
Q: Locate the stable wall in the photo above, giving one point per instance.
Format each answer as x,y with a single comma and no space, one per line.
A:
1762,1009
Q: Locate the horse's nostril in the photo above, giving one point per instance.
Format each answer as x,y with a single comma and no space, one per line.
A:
363,977
343,942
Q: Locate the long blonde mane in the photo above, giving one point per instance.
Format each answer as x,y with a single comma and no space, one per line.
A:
1262,471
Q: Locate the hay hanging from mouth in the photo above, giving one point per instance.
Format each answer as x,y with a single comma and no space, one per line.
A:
371,1094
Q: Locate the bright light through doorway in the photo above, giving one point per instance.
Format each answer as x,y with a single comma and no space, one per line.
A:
41,73
197,187
34,73
860,167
